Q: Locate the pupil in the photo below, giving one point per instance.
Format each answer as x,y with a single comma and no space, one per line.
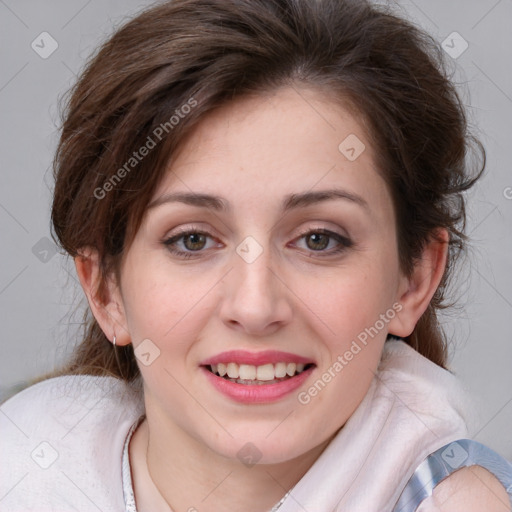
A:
195,238
324,239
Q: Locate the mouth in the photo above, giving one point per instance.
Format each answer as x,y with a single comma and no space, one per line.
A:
255,378
252,375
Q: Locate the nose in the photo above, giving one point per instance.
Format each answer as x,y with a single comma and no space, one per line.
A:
257,300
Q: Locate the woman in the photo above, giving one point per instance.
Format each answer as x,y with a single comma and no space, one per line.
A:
264,201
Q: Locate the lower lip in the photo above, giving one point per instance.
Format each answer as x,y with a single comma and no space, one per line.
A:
257,393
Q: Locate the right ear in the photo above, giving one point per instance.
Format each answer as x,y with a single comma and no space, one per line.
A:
107,306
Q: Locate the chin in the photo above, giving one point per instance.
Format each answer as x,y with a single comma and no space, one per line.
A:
262,448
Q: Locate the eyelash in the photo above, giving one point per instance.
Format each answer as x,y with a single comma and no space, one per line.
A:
343,242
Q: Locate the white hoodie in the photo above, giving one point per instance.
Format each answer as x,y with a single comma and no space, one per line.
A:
61,441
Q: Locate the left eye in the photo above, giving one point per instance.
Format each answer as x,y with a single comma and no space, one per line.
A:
320,239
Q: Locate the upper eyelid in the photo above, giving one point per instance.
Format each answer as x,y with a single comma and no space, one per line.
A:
186,232
322,229
183,231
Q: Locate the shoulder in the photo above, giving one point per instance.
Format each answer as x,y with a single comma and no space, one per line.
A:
425,387
61,403
59,400
62,440
470,489
434,395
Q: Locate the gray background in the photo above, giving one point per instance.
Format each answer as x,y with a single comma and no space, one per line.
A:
38,287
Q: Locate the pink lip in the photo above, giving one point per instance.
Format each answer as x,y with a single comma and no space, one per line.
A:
257,394
255,358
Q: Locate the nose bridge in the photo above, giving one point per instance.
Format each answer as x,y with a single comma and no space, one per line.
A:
255,298
253,273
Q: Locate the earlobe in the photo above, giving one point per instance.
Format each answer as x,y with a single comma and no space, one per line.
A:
418,289
103,296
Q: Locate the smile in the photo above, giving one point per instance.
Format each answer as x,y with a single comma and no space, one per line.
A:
249,374
255,378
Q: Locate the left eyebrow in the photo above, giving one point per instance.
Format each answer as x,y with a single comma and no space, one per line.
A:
293,201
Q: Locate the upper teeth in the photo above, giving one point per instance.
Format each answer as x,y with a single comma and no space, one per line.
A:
250,372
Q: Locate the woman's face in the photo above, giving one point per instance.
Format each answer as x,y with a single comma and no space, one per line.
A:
269,249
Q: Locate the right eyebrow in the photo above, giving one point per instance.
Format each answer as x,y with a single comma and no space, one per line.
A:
193,199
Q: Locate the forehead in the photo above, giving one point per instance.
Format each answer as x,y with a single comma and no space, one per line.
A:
266,146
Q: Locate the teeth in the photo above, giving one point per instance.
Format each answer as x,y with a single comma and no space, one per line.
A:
265,372
233,371
247,372
290,369
280,370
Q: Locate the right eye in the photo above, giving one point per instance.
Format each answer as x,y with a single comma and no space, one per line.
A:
186,243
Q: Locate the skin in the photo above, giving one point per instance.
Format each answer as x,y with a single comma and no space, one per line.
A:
468,489
253,153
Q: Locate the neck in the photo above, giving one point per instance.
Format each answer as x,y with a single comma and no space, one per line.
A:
175,472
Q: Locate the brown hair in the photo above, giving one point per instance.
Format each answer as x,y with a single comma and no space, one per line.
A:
205,53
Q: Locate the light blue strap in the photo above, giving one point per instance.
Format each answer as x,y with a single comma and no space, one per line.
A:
444,462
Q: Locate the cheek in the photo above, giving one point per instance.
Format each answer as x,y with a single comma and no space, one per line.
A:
171,312
350,316
351,299
166,307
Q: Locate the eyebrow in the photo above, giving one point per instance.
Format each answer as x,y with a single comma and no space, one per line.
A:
291,201
193,199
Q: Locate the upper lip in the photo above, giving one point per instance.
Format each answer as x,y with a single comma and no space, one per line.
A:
256,358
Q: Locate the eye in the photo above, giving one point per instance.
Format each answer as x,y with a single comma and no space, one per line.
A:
318,240
186,243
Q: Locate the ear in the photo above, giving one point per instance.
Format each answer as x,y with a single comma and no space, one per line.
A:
416,291
104,298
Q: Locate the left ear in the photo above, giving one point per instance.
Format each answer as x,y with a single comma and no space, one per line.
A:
417,290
